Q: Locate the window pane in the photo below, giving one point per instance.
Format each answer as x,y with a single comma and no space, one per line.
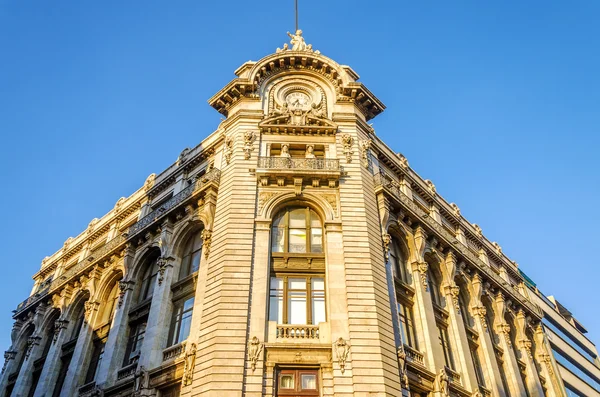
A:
316,240
276,300
298,218
197,241
297,307
286,381
318,300
314,219
277,239
297,283
195,262
309,381
297,240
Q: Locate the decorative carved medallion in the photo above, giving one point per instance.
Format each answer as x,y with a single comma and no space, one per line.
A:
254,350
249,137
189,365
348,142
341,348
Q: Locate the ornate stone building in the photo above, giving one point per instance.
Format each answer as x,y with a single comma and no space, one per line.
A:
290,253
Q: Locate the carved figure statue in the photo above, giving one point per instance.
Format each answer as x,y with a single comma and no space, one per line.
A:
402,365
140,379
310,149
285,150
188,365
297,41
441,383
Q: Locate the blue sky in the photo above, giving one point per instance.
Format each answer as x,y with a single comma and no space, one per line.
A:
496,102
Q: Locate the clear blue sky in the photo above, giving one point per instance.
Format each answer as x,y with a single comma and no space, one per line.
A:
496,102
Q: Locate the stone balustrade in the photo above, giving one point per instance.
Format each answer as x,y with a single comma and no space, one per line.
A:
297,331
127,371
453,376
173,352
413,355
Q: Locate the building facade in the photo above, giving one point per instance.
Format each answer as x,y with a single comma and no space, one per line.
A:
290,253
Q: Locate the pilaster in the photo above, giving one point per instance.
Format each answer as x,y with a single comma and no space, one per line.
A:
524,345
49,374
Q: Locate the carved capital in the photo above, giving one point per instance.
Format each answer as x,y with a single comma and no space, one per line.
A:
479,312
387,241
206,241
365,149
163,263
89,308
32,342
228,150
422,268
8,355
59,325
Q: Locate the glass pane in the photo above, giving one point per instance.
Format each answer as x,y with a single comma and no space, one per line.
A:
315,221
276,300
185,267
197,241
279,220
316,240
286,381
298,218
297,307
297,283
277,239
189,304
318,307
317,284
297,240
309,381
195,261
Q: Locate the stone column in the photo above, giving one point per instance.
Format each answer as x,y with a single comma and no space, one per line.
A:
116,342
458,332
32,353
547,365
9,360
511,366
50,373
493,380
157,329
524,345
78,366
258,308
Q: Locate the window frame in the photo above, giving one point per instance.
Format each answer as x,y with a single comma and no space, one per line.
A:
188,254
286,231
175,324
407,324
309,295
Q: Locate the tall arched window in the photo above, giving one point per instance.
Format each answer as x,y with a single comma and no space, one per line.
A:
297,284
192,252
398,262
149,278
297,230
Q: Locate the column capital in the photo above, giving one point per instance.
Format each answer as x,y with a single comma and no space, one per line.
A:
422,268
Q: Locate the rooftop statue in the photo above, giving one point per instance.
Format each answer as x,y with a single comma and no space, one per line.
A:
298,43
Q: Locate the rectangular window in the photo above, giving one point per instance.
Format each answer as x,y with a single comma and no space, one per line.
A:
97,353
297,300
181,321
316,234
134,343
477,365
297,382
407,325
445,342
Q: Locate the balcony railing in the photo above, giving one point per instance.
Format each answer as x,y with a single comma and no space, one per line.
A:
484,391
393,189
88,389
173,352
212,176
297,331
453,376
288,163
127,371
413,355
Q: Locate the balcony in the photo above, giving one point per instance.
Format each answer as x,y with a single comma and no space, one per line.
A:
211,178
127,371
89,389
174,352
282,167
413,356
453,376
298,333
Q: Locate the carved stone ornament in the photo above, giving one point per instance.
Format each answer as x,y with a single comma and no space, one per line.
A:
228,150
455,209
263,198
341,348
423,267
403,160
387,241
503,329
476,393
365,148
441,383
298,44
162,264
88,308
8,355
402,366
59,325
254,350
123,287
183,156
526,344
32,342
480,312
206,241
430,186
347,142
248,144
188,365
149,182
455,292
119,204
141,380
498,248
478,230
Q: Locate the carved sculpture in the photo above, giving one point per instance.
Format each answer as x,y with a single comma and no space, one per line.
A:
285,150
402,366
297,41
206,240
149,182
365,147
248,144
228,150
342,348
189,365
347,142
310,152
58,326
441,383
183,156
162,264
254,350
140,379
478,230
431,186
403,160
455,209
387,240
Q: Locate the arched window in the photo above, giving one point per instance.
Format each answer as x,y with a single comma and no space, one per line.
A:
192,253
434,287
297,230
398,262
149,278
297,292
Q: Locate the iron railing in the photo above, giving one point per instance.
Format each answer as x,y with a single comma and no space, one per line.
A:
288,163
